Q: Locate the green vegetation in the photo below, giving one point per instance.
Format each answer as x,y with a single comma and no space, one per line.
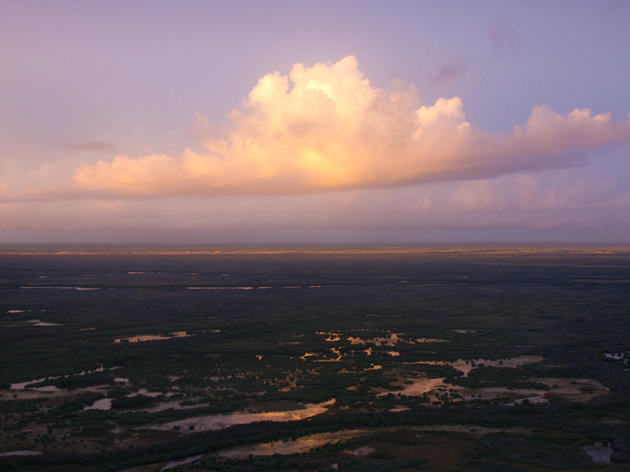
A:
277,333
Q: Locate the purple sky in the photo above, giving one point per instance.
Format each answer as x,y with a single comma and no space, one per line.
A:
163,122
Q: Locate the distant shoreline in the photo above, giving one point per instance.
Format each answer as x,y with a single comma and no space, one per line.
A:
485,249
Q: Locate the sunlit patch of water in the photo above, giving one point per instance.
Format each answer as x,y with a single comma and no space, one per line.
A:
436,390
54,287
104,404
51,388
177,463
398,409
221,287
141,338
417,388
23,452
292,446
390,340
599,452
465,366
361,451
216,422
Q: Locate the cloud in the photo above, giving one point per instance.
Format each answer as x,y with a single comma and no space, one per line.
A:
445,73
326,127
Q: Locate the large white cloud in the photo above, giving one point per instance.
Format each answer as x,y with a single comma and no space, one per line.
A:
326,127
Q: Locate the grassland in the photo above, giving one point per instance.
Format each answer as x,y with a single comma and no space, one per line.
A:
375,359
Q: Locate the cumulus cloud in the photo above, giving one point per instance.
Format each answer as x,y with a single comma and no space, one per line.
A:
326,127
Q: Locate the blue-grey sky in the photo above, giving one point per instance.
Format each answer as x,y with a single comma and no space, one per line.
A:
240,121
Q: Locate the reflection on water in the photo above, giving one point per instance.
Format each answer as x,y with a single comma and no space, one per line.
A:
534,399
332,337
187,460
42,323
362,451
52,388
390,340
23,385
398,409
307,354
418,388
20,453
393,339
336,352
172,405
599,452
36,322
103,404
293,446
220,287
465,366
141,338
78,289
214,422
305,444
435,389
147,393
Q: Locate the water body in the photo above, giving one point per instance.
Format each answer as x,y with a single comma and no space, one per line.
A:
577,390
20,453
25,385
104,404
393,339
418,388
306,443
141,338
187,460
599,452
54,287
466,366
216,422
293,446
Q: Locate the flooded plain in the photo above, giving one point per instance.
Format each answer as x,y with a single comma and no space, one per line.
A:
599,452
466,366
305,444
187,460
576,390
104,404
292,446
141,338
222,421
430,350
23,452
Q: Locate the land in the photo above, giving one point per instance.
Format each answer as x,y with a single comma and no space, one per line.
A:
369,359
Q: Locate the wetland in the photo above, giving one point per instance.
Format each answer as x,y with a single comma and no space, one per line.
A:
458,359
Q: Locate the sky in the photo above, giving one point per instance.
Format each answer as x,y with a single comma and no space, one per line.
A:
405,122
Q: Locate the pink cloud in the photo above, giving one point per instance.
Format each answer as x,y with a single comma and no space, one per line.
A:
326,127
